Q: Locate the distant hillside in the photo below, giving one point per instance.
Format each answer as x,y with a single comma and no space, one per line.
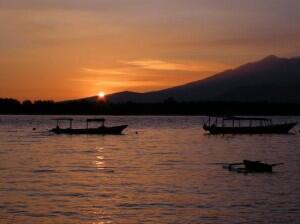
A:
271,79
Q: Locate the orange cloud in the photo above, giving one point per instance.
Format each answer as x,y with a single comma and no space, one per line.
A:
104,71
170,66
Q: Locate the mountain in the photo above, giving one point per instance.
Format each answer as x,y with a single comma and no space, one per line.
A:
271,79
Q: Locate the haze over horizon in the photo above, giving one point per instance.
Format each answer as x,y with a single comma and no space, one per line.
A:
67,49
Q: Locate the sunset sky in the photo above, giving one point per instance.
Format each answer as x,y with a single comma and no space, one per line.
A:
65,49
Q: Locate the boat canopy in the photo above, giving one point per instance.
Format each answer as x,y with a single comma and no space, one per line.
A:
63,119
247,118
95,120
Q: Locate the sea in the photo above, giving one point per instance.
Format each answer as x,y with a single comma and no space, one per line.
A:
163,169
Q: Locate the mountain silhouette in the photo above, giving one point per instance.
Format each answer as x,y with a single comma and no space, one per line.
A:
271,79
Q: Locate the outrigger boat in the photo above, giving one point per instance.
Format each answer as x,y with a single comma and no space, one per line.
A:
248,166
101,130
246,125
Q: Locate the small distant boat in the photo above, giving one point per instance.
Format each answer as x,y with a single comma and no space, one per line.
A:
101,130
248,166
246,125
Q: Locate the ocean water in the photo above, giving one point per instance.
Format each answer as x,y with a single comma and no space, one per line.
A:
162,170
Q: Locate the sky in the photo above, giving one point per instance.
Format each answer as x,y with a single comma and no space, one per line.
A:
68,49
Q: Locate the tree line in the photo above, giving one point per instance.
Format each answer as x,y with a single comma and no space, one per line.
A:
168,107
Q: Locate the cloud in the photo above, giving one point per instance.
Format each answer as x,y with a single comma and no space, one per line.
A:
130,83
155,65
104,71
169,66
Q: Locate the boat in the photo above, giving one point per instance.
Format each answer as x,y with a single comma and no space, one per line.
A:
246,125
248,166
101,130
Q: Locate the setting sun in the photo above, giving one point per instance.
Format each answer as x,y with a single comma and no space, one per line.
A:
101,94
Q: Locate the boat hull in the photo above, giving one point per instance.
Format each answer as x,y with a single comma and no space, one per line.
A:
255,166
270,129
115,130
248,166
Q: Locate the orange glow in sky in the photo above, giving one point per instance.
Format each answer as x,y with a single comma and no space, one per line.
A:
62,49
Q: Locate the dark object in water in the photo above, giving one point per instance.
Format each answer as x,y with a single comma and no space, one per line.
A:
248,166
101,130
244,125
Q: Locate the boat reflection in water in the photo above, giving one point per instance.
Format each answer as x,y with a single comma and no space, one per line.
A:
101,130
246,125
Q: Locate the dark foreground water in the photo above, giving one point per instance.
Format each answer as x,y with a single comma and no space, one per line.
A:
167,173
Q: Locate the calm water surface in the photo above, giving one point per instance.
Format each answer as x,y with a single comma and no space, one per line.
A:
167,173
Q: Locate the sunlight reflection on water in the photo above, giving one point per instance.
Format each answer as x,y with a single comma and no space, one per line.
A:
100,162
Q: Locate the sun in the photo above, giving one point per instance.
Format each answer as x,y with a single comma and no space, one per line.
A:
101,94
